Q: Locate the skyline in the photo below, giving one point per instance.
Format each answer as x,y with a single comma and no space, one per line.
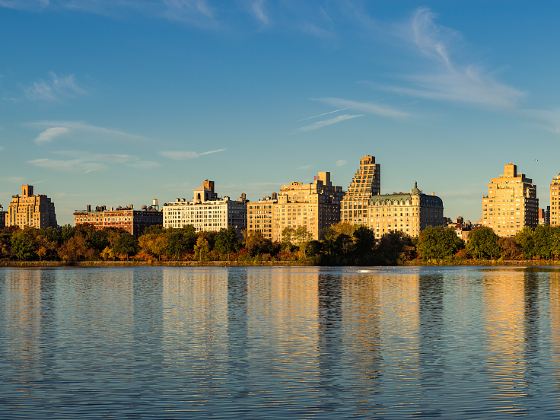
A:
161,95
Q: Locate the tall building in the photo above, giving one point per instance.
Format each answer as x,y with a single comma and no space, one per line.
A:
29,210
206,212
365,184
259,215
3,215
544,216
314,206
511,203
404,212
555,201
126,218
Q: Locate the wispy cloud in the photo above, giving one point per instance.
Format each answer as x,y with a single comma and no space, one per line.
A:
341,162
323,114
87,162
186,155
52,130
70,165
448,80
50,134
548,119
24,4
258,11
54,88
371,108
328,122
197,13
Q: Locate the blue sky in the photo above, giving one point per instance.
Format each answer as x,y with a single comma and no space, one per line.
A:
120,101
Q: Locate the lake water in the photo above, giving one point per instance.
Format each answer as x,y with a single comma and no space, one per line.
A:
279,342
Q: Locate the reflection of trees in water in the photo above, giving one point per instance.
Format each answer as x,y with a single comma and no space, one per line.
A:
431,351
510,316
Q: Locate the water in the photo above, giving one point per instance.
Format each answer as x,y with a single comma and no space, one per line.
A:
279,342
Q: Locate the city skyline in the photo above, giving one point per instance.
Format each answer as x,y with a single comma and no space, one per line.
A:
255,94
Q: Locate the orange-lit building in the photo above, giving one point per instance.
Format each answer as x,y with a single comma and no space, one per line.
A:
126,218
30,210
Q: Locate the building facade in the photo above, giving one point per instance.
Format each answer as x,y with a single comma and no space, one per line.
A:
3,215
260,214
511,203
404,212
554,213
30,210
206,212
125,218
365,184
313,206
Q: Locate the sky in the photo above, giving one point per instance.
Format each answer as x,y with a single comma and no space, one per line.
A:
121,101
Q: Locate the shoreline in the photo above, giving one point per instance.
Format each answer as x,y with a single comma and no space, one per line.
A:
195,264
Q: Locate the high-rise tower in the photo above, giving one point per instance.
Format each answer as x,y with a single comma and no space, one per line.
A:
365,184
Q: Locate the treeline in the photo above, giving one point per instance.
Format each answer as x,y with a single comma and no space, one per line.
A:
343,244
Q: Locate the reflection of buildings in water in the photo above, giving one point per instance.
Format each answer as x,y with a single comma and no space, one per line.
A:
22,315
532,316
504,318
195,315
283,310
554,313
431,324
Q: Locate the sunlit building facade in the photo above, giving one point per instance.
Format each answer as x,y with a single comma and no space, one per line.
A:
126,218
554,212
404,212
259,216
206,212
313,206
511,203
365,184
30,210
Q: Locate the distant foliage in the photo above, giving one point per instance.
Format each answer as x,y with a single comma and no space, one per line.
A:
438,244
483,244
342,244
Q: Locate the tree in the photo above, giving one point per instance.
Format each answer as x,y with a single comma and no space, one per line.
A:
542,242
227,241
202,248
123,244
509,249
526,242
24,244
180,241
154,244
483,244
75,249
257,244
438,243
394,248
364,243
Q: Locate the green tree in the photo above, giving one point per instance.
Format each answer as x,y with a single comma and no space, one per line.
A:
542,242
227,241
394,248
24,244
438,243
180,241
483,244
364,244
123,244
526,241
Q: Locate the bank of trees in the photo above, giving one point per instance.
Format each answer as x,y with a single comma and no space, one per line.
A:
342,244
